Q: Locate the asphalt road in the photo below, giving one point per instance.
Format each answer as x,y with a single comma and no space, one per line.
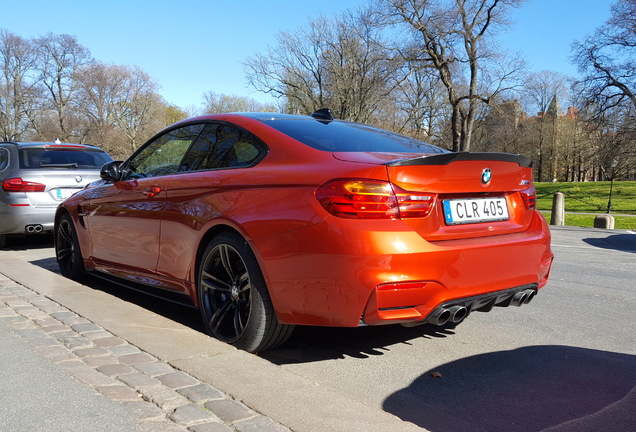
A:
568,354
565,362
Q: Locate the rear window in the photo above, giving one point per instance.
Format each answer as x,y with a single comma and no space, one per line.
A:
341,136
62,158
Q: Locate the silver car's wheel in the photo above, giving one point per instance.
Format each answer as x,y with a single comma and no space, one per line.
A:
67,251
234,301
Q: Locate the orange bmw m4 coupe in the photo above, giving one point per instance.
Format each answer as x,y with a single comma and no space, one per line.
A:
264,221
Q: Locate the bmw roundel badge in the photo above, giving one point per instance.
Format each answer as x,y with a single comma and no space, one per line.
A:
486,176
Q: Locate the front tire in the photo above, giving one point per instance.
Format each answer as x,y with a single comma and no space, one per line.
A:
67,250
233,298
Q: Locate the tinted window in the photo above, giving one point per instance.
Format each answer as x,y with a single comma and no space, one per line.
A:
340,136
223,146
33,158
163,156
4,158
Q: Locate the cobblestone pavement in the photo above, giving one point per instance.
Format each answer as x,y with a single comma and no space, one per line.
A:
162,398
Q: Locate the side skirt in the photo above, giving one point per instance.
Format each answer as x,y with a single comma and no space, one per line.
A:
150,290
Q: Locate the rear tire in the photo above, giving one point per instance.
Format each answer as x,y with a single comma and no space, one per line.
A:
67,250
233,299
3,240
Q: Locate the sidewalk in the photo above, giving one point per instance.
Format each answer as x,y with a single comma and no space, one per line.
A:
163,375
140,392
37,395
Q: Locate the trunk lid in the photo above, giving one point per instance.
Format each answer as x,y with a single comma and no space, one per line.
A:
477,194
60,184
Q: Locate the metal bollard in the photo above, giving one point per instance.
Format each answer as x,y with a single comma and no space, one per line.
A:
558,209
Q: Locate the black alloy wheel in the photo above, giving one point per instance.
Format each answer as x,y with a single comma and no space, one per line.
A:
233,299
67,251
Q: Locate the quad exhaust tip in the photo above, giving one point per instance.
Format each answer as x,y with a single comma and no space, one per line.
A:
523,297
454,314
457,313
34,228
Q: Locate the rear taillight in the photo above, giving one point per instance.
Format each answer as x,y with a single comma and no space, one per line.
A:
19,185
529,198
413,204
372,199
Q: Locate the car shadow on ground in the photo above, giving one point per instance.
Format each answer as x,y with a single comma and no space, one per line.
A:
311,344
28,242
536,388
620,242
307,344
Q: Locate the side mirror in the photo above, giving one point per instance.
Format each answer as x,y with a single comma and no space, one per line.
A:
111,171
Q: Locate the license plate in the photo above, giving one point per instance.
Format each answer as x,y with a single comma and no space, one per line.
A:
474,210
62,193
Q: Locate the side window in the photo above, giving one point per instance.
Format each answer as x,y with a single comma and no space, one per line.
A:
223,146
164,155
4,158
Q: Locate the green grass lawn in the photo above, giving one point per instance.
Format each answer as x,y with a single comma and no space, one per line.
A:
591,197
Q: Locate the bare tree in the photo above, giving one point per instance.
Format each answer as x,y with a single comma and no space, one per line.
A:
98,88
339,63
119,104
614,143
292,70
422,104
606,59
608,86
138,108
361,72
449,36
60,58
224,103
18,93
540,88
50,88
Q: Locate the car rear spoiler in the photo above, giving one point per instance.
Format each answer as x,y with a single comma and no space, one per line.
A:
447,158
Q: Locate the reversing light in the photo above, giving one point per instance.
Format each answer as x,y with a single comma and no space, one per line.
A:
372,199
413,204
18,185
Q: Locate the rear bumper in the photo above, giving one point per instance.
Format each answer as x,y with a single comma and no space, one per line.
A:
380,312
345,273
16,219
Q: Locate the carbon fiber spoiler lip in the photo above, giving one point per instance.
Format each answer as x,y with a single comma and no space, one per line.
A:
447,158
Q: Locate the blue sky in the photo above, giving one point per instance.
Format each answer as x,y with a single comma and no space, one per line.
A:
193,46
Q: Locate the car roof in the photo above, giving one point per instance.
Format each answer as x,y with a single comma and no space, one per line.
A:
51,145
274,116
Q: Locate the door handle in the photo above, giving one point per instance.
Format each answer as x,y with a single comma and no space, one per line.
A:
151,192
